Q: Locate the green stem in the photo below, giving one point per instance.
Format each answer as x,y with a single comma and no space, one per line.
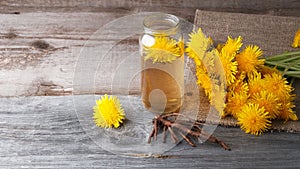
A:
292,73
282,65
296,66
290,59
294,76
282,56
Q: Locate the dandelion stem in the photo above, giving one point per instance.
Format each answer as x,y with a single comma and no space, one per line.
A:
290,59
281,56
283,65
293,72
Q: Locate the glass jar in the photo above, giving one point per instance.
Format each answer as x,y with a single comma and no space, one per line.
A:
162,58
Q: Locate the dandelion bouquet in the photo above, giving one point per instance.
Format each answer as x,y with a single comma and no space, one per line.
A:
239,82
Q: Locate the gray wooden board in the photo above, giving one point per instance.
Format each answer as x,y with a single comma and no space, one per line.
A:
39,51
28,69
44,132
185,8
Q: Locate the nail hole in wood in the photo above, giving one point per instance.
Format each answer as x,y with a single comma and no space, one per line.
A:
16,13
11,35
40,44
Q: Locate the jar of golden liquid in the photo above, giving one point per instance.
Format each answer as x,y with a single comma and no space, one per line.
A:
162,58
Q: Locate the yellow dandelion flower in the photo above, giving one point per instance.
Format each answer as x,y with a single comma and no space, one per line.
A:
266,70
239,86
192,55
211,41
296,42
204,80
181,45
220,46
197,61
235,103
229,66
268,101
255,83
198,45
199,48
108,112
203,71
287,113
227,56
254,120
164,50
232,46
209,60
278,85
248,60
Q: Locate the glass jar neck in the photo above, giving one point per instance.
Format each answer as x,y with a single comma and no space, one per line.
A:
164,24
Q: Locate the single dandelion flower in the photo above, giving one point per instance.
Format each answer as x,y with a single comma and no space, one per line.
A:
286,112
232,46
164,50
239,86
248,60
254,120
296,42
255,83
235,103
198,44
227,58
268,101
229,66
278,85
108,112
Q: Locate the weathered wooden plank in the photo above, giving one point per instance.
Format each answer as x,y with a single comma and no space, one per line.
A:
43,55
29,69
33,67
44,132
67,25
184,9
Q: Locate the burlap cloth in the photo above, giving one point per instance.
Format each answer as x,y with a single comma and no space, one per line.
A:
273,34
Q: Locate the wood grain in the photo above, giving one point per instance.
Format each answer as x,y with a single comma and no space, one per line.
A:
184,9
29,69
44,132
42,56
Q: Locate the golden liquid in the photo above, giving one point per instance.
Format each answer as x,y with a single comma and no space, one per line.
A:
162,85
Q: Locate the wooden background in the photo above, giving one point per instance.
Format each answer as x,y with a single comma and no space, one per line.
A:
39,46
40,40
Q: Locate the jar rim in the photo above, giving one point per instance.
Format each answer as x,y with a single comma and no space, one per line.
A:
161,22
